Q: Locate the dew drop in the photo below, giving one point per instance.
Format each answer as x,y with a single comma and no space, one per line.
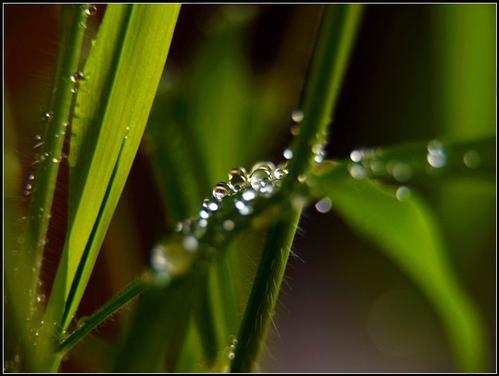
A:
471,159
190,243
210,205
243,207
280,171
297,115
356,155
40,298
324,205
295,129
38,138
31,177
228,225
220,191
402,193
302,178
260,178
436,155
232,355
401,172
249,195
357,171
288,154
237,178
203,223
55,160
48,116
204,214
90,10
159,262
178,227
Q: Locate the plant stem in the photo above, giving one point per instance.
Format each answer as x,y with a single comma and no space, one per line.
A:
336,37
328,65
114,304
74,20
264,294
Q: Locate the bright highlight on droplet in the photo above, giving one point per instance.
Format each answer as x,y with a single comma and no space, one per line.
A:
297,115
403,193
356,156
324,205
287,153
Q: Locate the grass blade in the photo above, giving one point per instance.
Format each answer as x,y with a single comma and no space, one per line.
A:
328,66
114,101
406,230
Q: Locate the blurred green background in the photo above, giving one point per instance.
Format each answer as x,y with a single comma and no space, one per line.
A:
234,74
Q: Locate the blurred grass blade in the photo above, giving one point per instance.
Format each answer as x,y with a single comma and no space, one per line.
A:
406,230
419,162
120,79
335,39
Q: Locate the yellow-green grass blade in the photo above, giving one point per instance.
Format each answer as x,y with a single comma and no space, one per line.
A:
120,80
407,231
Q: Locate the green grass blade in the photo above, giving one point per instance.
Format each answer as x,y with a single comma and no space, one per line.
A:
74,19
406,230
112,305
114,101
336,36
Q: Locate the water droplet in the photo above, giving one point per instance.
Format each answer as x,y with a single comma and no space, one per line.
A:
280,171
402,193
31,177
357,171
377,167
90,10
178,227
295,129
302,178
287,153
27,189
237,178
210,205
436,155
260,178
204,214
249,195
471,159
38,138
232,355
228,225
243,207
297,115
356,155
269,166
401,172
55,160
159,261
324,205
190,243
40,298
203,223
221,190
48,116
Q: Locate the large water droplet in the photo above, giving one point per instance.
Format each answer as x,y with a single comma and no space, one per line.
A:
221,190
324,205
297,115
269,166
260,178
237,178
471,159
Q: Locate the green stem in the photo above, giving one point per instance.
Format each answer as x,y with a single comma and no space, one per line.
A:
328,66
264,294
114,304
331,55
58,115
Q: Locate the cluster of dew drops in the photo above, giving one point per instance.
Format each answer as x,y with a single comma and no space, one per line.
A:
369,163
264,179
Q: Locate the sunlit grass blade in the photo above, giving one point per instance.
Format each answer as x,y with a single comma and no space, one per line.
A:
114,100
407,231
336,35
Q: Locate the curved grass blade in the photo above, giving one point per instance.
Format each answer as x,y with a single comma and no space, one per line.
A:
406,230
113,105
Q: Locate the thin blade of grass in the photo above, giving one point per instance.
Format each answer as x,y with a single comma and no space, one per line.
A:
114,101
407,231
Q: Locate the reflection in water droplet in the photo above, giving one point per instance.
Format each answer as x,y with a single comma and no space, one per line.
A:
471,159
260,178
280,171
237,178
287,153
324,205
190,243
403,193
210,205
297,115
228,225
243,207
249,195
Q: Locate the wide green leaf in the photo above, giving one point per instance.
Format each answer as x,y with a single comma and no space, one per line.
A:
404,227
